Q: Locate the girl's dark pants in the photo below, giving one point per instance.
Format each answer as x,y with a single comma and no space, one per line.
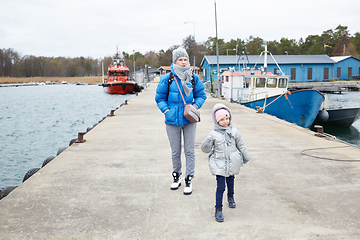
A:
221,189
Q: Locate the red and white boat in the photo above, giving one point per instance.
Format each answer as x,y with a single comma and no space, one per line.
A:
118,80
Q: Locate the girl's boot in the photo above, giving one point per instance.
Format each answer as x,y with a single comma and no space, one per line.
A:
231,202
218,215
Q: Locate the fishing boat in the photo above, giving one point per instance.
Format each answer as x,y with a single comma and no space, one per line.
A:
268,93
118,79
343,117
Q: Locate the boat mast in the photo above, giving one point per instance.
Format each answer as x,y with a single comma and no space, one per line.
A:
117,53
265,59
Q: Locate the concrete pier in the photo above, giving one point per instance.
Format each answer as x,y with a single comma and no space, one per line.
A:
116,185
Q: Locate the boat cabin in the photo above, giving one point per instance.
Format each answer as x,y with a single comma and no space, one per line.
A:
251,85
118,71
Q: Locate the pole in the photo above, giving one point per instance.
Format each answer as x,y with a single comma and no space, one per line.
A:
145,75
194,47
194,42
134,63
217,56
265,59
236,56
102,71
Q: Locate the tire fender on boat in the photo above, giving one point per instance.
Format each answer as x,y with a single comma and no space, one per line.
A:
323,115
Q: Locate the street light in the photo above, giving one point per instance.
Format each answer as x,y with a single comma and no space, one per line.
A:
194,41
134,63
217,55
237,56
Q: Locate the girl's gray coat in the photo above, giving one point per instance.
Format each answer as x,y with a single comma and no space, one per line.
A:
225,158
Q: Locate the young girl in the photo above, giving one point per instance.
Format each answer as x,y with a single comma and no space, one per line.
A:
227,154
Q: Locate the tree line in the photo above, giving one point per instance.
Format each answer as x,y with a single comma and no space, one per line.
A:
337,42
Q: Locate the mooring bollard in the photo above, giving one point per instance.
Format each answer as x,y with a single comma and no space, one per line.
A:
112,113
320,130
80,137
125,102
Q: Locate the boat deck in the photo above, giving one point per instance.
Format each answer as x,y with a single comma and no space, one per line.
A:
116,185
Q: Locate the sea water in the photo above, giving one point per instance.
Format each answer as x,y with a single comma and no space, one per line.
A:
35,121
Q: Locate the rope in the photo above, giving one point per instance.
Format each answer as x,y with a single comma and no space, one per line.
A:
262,109
331,159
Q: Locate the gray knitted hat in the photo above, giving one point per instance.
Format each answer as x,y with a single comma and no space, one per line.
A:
179,52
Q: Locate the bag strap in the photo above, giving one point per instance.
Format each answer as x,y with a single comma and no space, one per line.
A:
171,78
180,92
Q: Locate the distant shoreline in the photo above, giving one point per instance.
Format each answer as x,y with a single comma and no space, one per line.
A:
9,80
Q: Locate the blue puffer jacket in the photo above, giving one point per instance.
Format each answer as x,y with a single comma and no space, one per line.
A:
174,102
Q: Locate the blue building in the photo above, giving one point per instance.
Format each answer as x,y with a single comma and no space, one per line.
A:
300,68
346,67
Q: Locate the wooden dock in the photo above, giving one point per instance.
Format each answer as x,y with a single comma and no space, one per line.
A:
116,185
327,87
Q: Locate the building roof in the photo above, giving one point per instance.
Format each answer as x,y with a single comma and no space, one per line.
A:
341,58
164,67
168,67
280,59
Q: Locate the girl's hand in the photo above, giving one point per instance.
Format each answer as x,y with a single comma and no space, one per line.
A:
206,143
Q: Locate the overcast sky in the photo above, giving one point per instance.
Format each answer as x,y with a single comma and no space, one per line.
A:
93,28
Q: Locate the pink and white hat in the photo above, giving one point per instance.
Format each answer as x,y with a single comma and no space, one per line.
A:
219,114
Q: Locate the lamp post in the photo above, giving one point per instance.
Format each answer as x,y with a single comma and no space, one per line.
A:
217,55
134,63
194,41
237,56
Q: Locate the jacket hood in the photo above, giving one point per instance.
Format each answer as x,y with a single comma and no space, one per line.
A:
217,107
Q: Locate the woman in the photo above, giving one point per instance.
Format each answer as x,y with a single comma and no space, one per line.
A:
170,103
